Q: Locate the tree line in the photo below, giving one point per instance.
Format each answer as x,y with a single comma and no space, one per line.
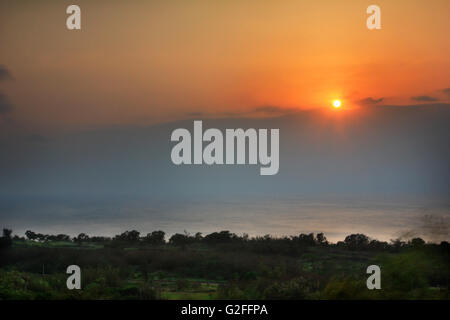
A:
133,237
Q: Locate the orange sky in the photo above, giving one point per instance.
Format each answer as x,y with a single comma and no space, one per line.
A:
136,63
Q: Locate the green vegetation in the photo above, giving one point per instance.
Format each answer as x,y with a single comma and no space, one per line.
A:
220,265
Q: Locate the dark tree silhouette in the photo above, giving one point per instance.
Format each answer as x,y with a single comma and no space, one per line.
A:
417,242
220,237
356,241
179,239
7,233
82,237
6,240
128,236
321,239
155,238
31,235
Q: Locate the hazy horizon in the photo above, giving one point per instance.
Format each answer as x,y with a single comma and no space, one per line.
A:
86,115
384,219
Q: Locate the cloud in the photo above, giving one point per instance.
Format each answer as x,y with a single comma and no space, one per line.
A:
268,109
272,110
5,105
432,226
446,91
260,111
36,138
424,98
386,150
5,75
195,114
369,101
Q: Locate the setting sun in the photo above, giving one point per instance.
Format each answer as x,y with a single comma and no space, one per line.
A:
337,103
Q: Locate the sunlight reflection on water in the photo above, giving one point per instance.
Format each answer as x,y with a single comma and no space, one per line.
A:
278,217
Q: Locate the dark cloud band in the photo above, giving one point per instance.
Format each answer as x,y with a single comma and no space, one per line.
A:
5,75
424,99
5,105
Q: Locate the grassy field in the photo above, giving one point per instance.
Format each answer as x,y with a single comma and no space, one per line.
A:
199,271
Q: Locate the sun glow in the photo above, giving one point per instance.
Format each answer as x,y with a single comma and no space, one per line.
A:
337,103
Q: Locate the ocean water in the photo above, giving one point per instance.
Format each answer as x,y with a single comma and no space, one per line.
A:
380,219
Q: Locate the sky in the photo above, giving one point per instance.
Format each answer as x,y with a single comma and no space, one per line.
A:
88,113
153,61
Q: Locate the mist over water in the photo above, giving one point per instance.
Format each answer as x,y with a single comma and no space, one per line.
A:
386,167
257,216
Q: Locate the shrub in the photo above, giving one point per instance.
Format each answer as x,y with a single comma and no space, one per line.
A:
294,289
